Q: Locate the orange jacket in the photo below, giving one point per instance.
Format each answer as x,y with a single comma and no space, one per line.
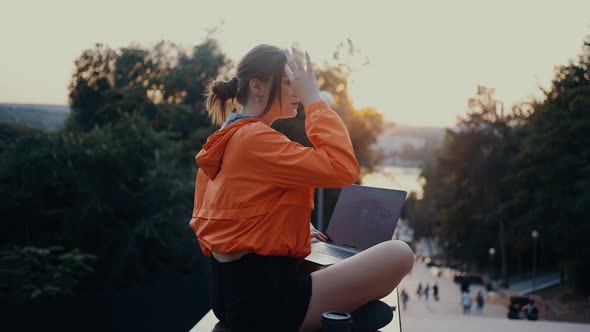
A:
254,187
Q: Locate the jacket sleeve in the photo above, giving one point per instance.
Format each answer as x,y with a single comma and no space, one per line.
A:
331,163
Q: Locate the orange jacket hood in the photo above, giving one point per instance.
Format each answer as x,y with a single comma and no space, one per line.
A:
209,158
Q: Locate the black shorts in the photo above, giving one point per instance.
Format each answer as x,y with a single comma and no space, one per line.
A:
260,293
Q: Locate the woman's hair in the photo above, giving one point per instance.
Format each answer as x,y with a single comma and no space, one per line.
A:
263,62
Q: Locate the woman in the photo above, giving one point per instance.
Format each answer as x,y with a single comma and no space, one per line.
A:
254,196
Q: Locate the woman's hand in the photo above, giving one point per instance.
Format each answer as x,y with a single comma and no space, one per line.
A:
305,85
315,234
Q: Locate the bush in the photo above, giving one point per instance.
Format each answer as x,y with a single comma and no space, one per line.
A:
121,192
31,273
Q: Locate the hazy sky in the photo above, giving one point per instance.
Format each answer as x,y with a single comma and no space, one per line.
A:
426,57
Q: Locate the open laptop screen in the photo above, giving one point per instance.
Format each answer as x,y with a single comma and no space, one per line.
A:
365,216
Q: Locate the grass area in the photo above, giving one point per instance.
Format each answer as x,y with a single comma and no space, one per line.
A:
563,303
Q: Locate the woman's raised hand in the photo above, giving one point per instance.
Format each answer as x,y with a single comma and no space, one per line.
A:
305,85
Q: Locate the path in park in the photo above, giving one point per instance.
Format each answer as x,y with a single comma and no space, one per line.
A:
449,294
446,315
422,322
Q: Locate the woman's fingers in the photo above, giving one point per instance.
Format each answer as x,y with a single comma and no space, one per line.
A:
295,64
318,235
297,59
308,59
288,72
290,61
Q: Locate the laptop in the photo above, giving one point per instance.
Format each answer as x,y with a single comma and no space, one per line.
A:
363,217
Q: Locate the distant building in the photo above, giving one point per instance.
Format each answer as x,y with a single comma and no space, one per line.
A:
407,146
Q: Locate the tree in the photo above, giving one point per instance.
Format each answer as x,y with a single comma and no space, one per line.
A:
554,170
463,193
118,192
92,79
165,84
511,173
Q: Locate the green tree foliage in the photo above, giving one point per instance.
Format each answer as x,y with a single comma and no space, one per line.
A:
10,133
30,273
500,175
464,191
118,192
165,84
553,164
422,213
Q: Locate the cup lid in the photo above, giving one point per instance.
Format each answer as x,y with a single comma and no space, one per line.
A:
337,316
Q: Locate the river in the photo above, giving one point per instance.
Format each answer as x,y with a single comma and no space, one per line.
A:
394,177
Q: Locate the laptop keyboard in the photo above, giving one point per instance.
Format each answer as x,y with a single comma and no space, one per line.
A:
332,250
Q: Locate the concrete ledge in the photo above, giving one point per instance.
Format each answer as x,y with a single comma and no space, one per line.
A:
209,321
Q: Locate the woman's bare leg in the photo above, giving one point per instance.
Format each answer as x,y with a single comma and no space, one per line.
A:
364,277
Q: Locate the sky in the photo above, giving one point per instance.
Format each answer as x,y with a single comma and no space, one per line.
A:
426,57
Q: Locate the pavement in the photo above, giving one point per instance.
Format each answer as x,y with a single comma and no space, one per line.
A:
449,295
447,314
419,322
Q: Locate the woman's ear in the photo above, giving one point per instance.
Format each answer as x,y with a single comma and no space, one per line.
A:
257,87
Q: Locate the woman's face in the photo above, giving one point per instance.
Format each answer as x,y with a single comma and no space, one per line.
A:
290,102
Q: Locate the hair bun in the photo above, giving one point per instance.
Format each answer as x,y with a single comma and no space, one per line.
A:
226,89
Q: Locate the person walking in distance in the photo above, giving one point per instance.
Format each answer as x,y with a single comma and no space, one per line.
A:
435,291
466,302
405,298
479,301
419,291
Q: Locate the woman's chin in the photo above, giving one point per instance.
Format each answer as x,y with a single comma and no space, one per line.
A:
292,114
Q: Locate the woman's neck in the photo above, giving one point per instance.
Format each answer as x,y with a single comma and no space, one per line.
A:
254,111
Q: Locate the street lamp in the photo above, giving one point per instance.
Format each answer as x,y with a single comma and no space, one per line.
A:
492,252
446,244
328,98
535,235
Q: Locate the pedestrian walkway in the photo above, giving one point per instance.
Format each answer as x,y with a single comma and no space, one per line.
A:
414,322
446,315
449,295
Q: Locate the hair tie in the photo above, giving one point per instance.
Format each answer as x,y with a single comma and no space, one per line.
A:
234,82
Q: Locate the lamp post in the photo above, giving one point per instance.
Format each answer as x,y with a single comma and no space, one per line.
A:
446,244
327,97
320,210
492,252
535,235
